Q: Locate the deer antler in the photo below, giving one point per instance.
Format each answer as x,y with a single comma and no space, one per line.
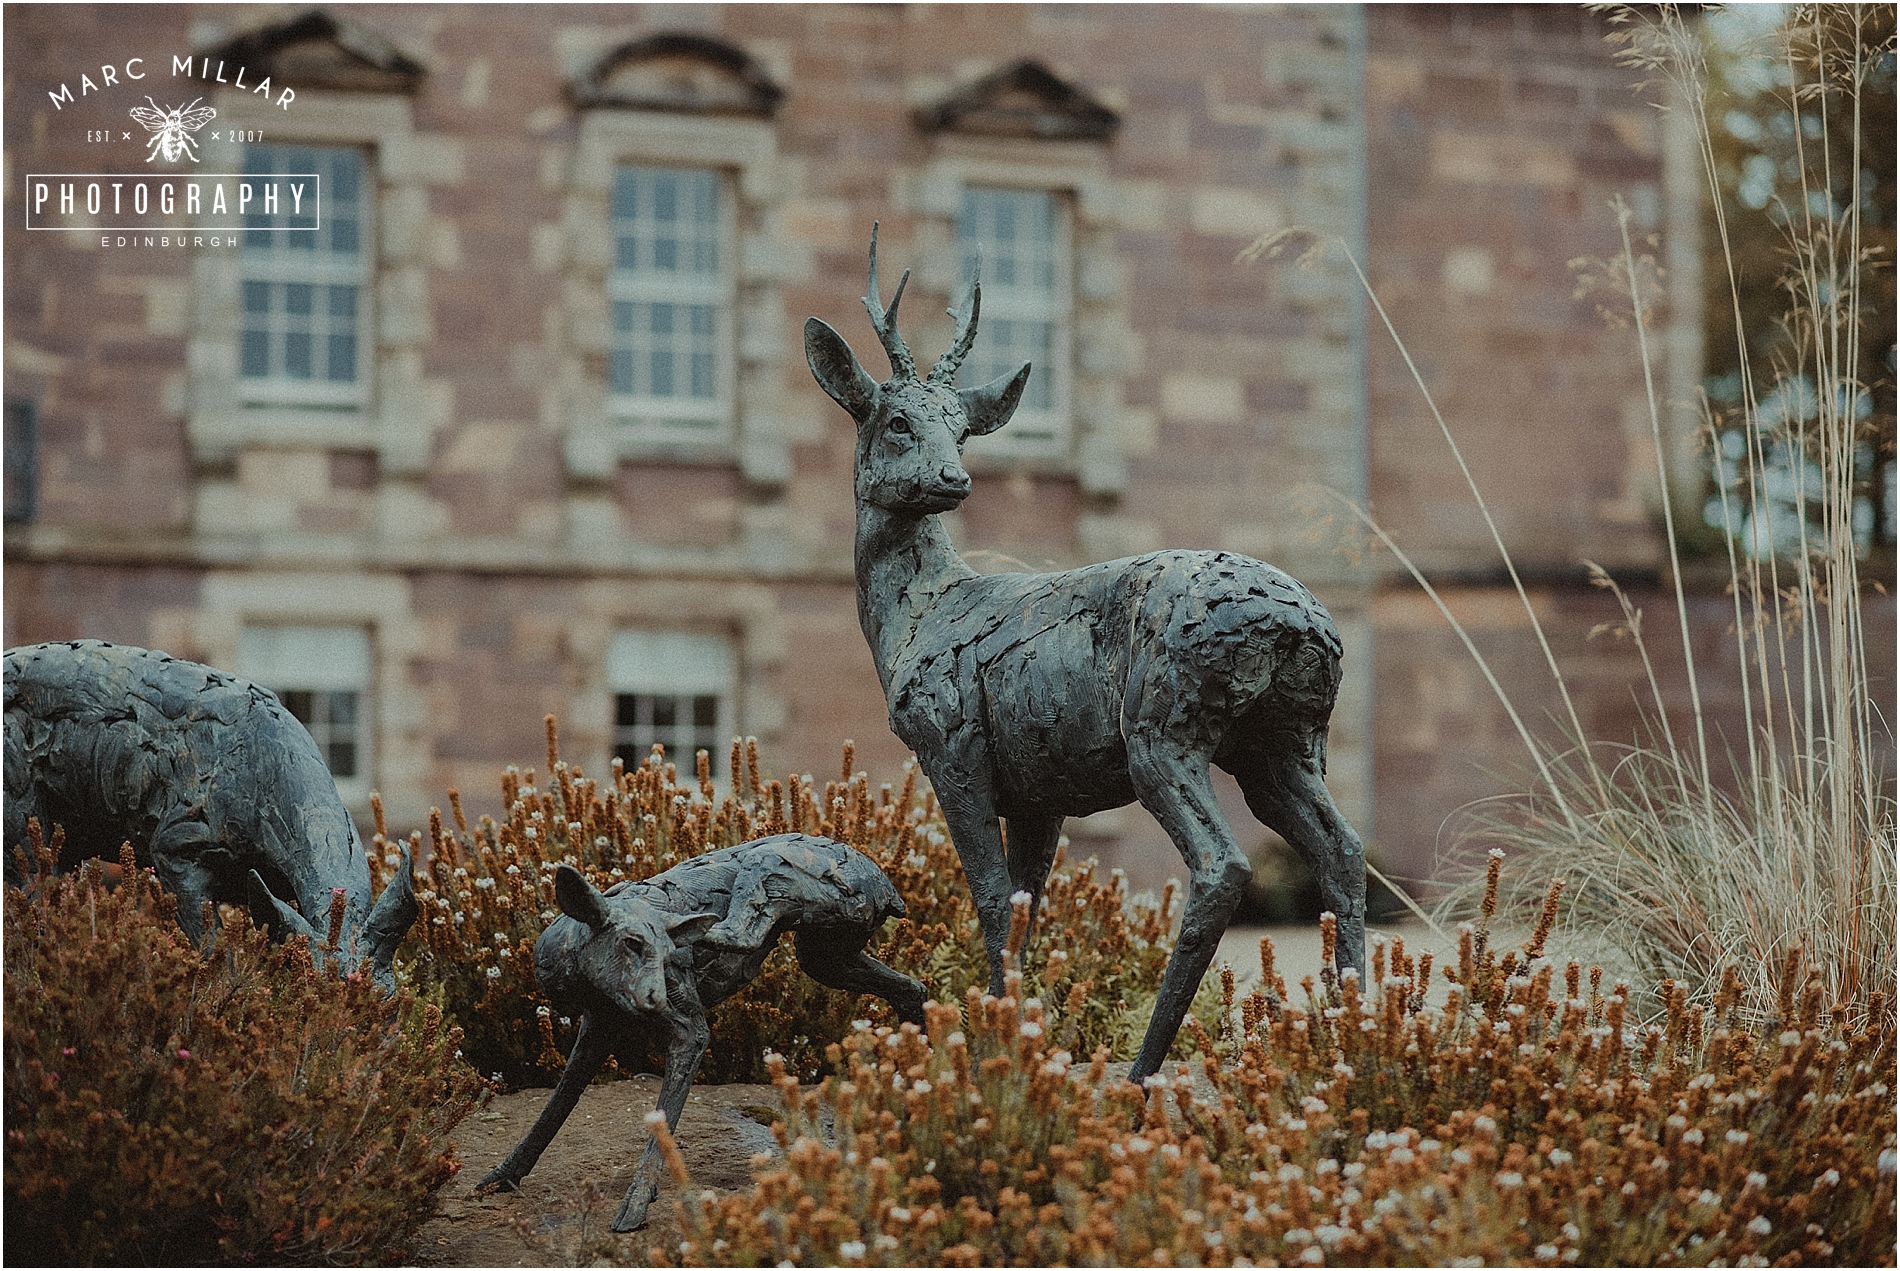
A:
945,371
884,321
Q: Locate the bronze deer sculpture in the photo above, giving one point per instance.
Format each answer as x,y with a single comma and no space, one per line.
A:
661,953
1033,697
213,782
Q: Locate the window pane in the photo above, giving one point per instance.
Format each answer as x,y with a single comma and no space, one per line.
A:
667,226
342,758
254,354
305,274
1016,233
21,450
705,711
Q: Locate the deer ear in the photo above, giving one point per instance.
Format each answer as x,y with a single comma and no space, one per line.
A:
836,369
685,927
579,899
990,405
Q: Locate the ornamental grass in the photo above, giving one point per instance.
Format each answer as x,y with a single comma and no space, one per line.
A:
1533,1119
171,1105
487,893
1699,855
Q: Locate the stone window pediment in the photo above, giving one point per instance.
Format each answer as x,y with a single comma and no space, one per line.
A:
319,50
1024,99
680,72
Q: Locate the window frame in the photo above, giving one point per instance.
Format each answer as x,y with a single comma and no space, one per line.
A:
252,661
675,418
405,407
281,267
757,434
1057,422
635,665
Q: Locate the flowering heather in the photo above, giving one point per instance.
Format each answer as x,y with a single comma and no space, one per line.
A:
170,1106
487,893
1532,1120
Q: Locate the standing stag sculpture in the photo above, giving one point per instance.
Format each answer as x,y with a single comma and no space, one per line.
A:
216,786
1033,697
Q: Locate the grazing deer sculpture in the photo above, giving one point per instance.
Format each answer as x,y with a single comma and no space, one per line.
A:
1033,697
662,952
211,780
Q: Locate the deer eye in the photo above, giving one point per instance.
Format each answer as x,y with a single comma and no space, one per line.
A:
900,424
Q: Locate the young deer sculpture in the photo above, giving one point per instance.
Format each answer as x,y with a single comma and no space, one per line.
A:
658,954
1033,697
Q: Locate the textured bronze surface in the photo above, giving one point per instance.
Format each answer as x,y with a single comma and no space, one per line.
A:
216,786
666,950
1032,697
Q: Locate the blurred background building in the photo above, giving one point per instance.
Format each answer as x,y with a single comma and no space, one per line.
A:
525,425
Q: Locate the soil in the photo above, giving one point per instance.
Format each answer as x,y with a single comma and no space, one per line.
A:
563,1213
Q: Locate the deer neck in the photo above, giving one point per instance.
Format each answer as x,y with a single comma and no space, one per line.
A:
903,564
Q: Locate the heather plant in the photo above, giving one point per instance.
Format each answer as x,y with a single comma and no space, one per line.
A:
1530,1120
487,893
168,1105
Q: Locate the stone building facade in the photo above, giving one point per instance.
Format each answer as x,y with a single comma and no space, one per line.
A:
534,432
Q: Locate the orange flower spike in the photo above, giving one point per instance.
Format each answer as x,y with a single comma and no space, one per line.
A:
1494,865
775,801
1545,920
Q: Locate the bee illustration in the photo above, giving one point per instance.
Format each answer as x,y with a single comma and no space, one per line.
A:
171,127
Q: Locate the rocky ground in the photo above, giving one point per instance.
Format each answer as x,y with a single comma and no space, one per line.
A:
562,1213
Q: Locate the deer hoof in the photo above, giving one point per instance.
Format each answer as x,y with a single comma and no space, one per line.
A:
633,1210
497,1180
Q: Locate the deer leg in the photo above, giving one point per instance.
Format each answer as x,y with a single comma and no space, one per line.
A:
822,954
691,1034
1032,850
1172,783
591,1048
970,813
1287,792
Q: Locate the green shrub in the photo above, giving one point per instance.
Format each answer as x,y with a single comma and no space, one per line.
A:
239,1106
487,893
1530,1121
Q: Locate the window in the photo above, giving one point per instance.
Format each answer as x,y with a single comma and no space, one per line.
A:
23,462
669,301
1022,236
674,690
322,676
306,284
